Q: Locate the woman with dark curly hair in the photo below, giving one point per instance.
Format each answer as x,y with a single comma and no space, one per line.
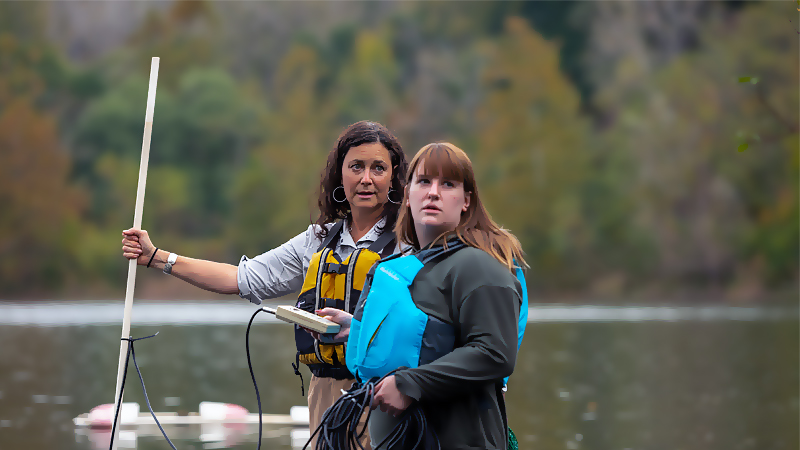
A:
359,199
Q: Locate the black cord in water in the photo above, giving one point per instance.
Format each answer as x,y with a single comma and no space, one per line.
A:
119,400
132,353
252,375
338,429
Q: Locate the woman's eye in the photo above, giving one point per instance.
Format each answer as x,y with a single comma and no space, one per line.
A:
379,169
449,184
423,181
355,166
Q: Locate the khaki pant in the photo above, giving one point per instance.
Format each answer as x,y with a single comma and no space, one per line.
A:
322,392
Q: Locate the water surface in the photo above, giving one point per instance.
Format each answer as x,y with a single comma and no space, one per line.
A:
586,377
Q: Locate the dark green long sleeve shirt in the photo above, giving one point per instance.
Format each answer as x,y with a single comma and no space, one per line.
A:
460,392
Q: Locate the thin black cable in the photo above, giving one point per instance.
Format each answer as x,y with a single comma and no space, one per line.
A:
132,354
252,375
338,428
411,421
147,400
119,400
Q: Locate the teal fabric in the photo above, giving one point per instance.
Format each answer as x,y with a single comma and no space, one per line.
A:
371,354
512,440
523,312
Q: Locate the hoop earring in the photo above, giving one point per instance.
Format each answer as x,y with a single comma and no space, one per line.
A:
333,195
389,197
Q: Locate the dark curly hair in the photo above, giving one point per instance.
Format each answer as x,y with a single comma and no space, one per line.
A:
359,133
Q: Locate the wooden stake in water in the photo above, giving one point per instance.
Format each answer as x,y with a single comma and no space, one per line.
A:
137,223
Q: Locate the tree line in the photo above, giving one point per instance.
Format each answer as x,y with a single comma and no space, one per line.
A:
649,173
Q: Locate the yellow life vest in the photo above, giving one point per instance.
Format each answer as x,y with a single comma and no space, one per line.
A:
334,284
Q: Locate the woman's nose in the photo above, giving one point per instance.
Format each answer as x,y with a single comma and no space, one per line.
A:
366,179
433,191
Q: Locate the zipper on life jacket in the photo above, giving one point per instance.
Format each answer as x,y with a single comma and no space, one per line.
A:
375,333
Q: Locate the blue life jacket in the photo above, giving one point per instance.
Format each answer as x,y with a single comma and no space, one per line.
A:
388,331
523,312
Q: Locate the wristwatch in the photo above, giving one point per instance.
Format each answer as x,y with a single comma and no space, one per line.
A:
171,260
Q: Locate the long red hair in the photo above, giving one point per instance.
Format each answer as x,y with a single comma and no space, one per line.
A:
476,227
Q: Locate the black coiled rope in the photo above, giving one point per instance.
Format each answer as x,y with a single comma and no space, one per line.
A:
338,429
132,354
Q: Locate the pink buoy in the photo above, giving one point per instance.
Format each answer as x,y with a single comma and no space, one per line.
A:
102,416
221,411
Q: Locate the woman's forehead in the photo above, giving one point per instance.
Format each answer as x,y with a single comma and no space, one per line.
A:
443,168
368,151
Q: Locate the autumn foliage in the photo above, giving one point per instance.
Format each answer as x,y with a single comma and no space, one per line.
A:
621,149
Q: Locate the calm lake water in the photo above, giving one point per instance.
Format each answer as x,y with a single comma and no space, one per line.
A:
586,377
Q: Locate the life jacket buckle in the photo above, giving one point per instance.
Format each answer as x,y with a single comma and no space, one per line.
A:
325,302
334,268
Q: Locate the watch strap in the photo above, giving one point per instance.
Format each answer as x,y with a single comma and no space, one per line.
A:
171,260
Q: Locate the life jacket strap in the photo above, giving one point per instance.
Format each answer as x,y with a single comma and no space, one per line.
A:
389,248
429,254
333,233
379,244
296,367
382,241
348,281
318,284
331,303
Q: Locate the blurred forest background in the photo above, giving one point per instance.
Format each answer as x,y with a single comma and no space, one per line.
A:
641,151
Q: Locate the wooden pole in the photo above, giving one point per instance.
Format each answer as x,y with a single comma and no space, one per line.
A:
137,223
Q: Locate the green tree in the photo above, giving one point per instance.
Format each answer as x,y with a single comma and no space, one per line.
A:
367,84
717,216
529,150
183,36
200,135
41,208
273,194
39,226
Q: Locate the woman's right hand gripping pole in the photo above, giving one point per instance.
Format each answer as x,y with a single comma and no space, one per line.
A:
136,244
